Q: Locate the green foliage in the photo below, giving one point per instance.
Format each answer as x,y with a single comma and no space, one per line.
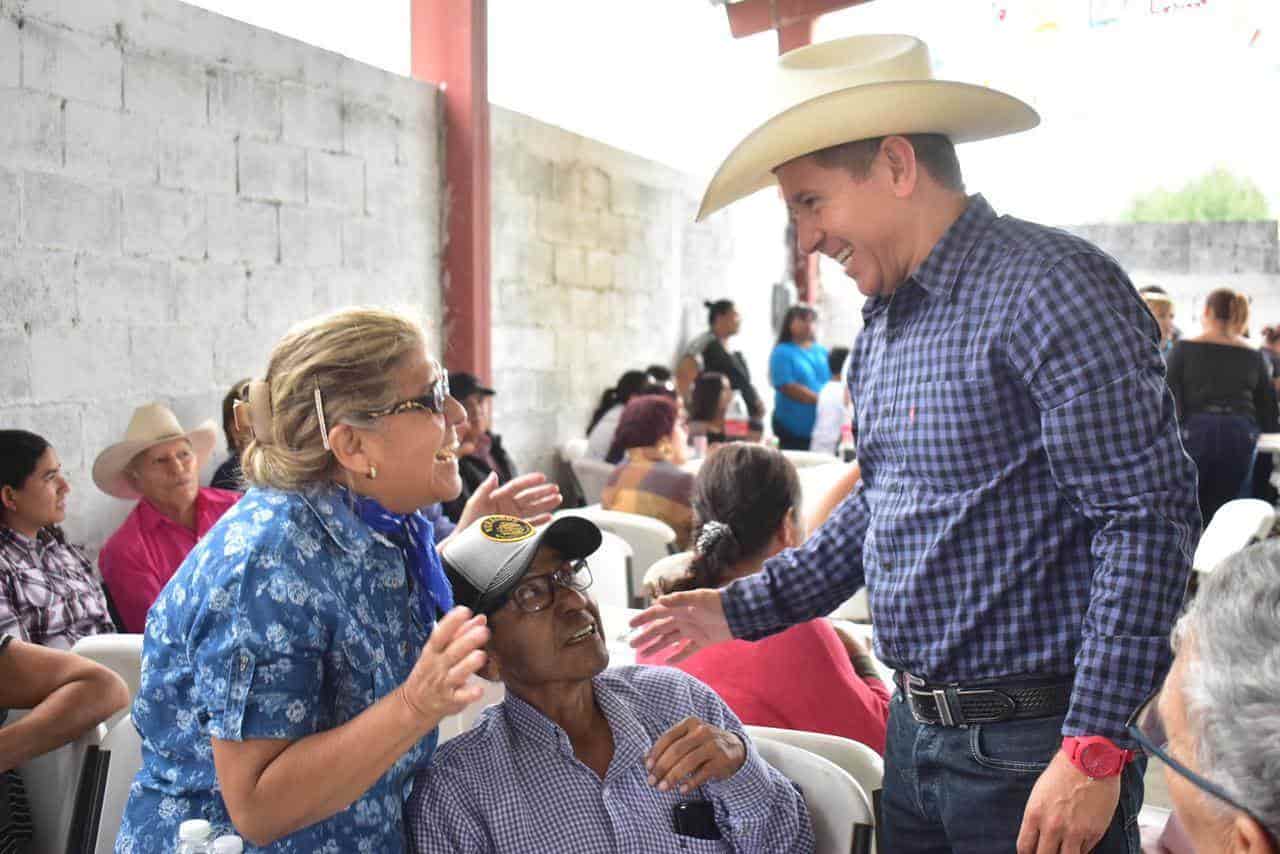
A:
1218,196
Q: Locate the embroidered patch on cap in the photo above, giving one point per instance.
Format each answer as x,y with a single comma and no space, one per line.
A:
505,529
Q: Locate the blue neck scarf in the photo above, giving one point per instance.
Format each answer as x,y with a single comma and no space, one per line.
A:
416,537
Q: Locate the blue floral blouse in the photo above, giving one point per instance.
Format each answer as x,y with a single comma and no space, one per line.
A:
290,617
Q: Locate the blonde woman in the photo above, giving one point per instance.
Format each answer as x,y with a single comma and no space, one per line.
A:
1223,390
296,667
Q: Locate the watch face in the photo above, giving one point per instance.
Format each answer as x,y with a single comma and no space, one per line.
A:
1098,760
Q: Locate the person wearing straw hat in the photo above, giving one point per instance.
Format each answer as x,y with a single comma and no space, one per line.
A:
158,465
1026,515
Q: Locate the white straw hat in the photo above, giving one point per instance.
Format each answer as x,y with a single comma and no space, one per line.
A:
152,424
855,88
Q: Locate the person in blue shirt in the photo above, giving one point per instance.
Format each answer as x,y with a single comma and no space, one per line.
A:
296,666
578,757
1026,515
798,371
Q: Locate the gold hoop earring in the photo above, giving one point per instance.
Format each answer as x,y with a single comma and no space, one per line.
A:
373,472
664,450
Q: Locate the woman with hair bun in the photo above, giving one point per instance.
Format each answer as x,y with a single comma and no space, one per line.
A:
296,667
811,677
1224,394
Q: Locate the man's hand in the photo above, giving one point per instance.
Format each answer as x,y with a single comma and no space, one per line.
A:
529,497
689,621
691,753
1068,811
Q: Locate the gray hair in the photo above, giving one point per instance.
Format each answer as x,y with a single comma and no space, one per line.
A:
1232,688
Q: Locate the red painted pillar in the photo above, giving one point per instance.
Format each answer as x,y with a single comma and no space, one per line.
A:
450,47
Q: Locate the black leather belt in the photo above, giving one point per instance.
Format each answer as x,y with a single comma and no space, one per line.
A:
950,704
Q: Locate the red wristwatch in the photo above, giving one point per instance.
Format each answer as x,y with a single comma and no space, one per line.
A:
1096,755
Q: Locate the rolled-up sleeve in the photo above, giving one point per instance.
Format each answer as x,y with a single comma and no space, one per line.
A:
1085,348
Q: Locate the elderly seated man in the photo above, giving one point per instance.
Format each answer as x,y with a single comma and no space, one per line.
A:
158,463
577,757
1215,724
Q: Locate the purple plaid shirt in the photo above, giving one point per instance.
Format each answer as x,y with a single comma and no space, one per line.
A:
1026,506
512,783
48,592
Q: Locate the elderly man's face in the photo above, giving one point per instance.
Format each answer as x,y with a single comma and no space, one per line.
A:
167,474
563,642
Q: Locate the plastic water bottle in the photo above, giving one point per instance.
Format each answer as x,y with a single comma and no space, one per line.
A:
227,845
193,836
736,419
846,450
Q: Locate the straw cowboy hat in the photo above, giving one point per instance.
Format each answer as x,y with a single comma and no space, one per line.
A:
860,87
152,424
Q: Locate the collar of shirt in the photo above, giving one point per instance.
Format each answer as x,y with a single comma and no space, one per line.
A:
630,740
938,273
43,540
340,521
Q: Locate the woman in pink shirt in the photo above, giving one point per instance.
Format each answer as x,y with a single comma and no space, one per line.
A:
811,677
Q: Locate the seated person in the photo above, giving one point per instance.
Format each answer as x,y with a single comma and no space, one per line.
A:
159,464
67,695
833,406
48,592
650,481
227,475
604,421
480,452
811,677
1213,726
578,756
660,375
710,400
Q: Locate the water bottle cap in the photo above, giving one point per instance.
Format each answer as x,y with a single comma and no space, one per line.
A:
228,845
194,829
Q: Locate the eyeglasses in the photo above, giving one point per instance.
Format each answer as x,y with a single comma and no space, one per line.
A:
433,401
1147,728
539,593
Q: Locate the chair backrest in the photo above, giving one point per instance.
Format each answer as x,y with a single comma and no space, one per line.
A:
124,749
650,540
122,655
861,762
838,807
611,571
464,720
52,781
803,459
592,476
667,569
1236,525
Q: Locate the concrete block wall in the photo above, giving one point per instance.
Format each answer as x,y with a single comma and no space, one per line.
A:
1190,260
599,268
176,189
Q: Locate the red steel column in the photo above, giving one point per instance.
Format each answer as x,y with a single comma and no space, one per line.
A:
450,46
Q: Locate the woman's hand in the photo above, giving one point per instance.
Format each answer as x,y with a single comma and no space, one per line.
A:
528,497
438,686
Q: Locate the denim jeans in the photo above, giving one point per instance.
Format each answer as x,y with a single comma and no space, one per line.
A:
963,789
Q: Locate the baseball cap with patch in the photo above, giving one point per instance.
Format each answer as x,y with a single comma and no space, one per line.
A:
487,559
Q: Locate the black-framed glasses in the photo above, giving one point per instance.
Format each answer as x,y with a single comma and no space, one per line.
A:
1147,728
539,593
433,401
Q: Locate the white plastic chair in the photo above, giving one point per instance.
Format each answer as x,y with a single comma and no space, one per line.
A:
454,725
650,540
124,749
611,571
1236,525
573,449
592,476
855,609
52,781
665,571
804,459
861,762
122,655
837,804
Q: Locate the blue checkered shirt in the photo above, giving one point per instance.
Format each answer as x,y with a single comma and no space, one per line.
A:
1026,507
512,783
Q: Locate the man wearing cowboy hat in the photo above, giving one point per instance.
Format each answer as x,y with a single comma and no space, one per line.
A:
1026,515
158,463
